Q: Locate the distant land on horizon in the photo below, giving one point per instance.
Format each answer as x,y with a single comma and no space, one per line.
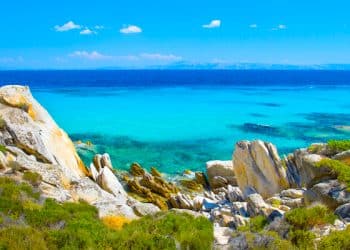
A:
206,66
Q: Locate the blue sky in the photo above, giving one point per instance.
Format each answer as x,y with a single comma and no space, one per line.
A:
81,34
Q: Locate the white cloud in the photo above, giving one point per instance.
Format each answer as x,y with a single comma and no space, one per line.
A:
280,27
212,24
93,55
99,27
67,26
130,29
253,26
87,31
160,57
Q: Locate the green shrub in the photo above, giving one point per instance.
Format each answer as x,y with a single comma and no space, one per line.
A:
337,240
337,146
305,218
3,149
32,177
341,169
302,239
256,224
19,238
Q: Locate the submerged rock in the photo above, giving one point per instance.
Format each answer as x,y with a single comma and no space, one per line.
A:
257,165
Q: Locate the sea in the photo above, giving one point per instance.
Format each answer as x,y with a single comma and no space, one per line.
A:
177,120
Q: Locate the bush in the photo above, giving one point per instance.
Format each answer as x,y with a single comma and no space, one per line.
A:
339,168
337,146
115,222
32,177
337,240
18,238
305,218
302,239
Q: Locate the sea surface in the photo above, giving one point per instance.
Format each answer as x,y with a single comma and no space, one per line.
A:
177,120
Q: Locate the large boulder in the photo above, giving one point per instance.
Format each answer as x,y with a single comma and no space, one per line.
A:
30,128
257,165
343,212
220,174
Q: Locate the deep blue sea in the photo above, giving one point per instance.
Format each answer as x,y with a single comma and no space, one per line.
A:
176,120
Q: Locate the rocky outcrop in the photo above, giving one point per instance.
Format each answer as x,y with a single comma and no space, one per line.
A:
257,165
32,141
220,174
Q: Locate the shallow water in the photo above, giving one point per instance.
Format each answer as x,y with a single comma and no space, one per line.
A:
182,125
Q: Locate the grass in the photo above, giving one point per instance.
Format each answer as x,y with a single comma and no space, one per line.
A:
33,224
3,149
341,169
337,146
256,224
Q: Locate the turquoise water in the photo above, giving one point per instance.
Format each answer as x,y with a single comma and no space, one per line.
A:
176,120
177,128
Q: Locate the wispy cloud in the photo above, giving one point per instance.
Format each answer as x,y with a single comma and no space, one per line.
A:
9,60
160,57
67,26
87,31
130,29
213,24
280,27
93,55
99,27
253,26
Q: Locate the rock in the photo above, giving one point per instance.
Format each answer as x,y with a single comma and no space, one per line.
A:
273,215
257,165
220,173
292,193
257,206
186,211
238,242
201,179
222,235
240,208
155,172
182,201
109,182
191,185
343,212
198,203
34,131
309,174
158,185
106,161
343,156
136,169
93,172
142,209
234,194
331,193
209,204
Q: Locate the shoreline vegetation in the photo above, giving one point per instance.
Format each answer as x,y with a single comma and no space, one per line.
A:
50,200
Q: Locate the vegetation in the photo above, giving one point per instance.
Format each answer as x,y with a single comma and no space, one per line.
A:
337,240
2,123
337,146
28,223
256,224
341,169
306,218
3,149
32,177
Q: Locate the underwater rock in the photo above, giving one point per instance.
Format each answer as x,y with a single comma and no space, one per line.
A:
262,129
257,165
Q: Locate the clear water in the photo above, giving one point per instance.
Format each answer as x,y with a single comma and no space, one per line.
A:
181,123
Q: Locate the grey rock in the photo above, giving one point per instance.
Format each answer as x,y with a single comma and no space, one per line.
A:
343,212
220,173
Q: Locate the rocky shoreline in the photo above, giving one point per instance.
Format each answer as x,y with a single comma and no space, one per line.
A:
256,182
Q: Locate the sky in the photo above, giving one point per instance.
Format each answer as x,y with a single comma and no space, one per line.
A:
139,34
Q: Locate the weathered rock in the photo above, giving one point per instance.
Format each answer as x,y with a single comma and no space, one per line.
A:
331,193
201,179
257,165
238,242
31,128
222,235
309,174
257,206
292,193
142,209
343,156
234,194
343,212
220,173
109,182
191,185
182,201
136,169
155,172
240,208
